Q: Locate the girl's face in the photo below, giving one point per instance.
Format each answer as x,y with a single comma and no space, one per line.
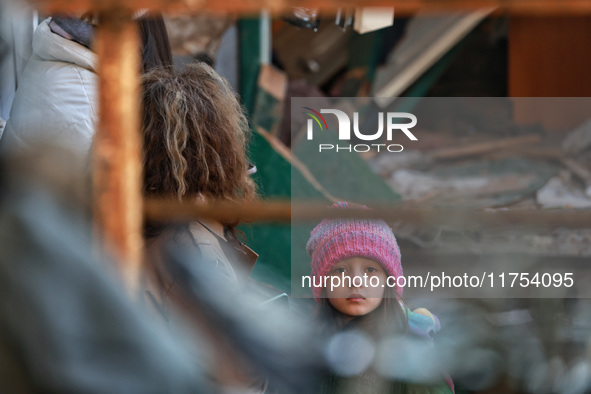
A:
364,291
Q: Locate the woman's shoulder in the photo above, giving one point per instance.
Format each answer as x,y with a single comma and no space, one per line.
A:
192,234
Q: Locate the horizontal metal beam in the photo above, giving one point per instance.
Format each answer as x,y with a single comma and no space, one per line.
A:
403,7
285,211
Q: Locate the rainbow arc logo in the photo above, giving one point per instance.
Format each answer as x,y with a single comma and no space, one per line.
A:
315,115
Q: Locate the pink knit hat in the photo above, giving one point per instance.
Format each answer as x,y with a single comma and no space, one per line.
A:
338,239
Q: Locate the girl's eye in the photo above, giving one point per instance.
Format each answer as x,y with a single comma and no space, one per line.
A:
371,269
339,270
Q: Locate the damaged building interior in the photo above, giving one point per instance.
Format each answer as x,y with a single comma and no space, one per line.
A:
487,191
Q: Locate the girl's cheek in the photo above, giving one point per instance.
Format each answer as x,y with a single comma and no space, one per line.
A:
375,292
337,292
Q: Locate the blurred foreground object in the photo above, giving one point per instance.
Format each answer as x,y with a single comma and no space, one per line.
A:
253,342
65,325
17,23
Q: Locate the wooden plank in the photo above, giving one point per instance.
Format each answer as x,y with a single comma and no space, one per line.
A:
403,7
483,147
117,167
579,171
427,39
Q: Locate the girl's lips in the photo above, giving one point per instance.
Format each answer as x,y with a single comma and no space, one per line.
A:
355,298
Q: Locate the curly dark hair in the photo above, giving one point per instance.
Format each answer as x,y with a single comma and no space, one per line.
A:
195,135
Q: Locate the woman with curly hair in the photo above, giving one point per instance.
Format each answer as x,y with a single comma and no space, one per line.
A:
195,136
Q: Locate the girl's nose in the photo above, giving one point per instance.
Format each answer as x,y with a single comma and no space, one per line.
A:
357,277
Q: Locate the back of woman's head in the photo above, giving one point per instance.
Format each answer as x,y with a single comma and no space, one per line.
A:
195,135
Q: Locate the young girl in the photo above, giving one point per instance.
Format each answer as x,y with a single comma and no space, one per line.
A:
362,254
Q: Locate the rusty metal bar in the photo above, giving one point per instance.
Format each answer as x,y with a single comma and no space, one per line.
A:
285,211
403,7
117,167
